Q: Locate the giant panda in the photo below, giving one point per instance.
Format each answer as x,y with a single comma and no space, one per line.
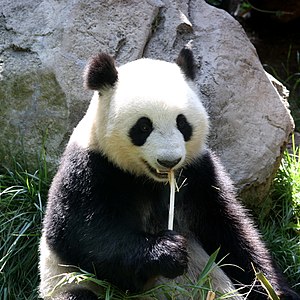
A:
107,209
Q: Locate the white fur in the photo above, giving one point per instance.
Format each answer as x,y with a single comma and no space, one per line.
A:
146,88
52,272
49,269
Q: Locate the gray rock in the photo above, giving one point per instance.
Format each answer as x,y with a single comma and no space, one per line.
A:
45,45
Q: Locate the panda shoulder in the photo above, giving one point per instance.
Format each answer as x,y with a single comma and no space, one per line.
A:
209,166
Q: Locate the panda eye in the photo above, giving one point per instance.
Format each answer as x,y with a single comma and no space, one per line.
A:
140,131
181,121
184,127
145,126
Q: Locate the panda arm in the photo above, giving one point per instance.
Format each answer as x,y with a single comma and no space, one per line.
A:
220,220
92,222
111,247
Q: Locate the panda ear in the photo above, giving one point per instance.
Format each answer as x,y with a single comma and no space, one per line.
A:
100,72
185,61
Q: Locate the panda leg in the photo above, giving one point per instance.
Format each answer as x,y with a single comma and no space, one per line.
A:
198,259
76,294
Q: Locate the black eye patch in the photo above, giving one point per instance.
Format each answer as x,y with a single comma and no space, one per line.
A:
140,131
184,127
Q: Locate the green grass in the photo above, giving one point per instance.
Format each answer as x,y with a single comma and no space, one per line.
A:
281,227
22,198
199,289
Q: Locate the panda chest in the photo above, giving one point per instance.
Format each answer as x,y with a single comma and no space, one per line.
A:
153,210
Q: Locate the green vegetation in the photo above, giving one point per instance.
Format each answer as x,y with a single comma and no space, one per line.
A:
281,227
199,289
22,197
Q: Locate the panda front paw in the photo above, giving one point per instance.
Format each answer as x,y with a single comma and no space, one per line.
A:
171,254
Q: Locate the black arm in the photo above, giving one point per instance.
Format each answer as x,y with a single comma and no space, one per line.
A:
221,221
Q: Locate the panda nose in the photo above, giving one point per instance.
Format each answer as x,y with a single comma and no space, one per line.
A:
168,163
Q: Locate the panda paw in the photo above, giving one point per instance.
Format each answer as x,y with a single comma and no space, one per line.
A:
171,254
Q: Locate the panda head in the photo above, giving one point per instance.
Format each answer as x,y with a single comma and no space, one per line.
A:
146,116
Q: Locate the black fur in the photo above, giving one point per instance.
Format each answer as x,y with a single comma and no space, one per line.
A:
140,131
113,224
100,72
185,61
184,127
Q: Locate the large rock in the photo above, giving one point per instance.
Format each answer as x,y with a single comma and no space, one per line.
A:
47,43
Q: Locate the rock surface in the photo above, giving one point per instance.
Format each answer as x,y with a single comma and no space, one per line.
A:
45,45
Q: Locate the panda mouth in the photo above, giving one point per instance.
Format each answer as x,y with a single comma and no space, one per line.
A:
160,174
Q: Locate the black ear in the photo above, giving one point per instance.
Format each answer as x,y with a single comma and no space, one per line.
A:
185,61
100,72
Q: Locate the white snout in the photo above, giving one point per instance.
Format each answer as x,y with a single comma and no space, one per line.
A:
165,152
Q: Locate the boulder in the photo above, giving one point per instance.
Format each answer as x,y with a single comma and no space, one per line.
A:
46,46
